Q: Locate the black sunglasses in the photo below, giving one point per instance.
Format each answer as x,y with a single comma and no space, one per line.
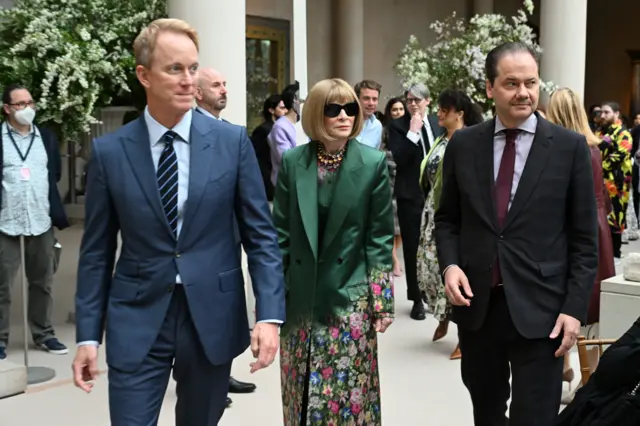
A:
333,110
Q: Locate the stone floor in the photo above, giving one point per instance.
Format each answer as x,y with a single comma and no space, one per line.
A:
419,382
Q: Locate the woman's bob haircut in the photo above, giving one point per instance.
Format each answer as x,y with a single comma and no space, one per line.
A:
330,91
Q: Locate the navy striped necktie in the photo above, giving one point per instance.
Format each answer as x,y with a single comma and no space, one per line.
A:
168,180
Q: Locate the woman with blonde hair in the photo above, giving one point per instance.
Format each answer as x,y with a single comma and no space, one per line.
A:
332,208
565,109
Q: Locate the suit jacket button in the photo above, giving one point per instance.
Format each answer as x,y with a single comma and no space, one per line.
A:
340,261
177,254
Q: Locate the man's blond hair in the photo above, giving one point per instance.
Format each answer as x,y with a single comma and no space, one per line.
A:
145,43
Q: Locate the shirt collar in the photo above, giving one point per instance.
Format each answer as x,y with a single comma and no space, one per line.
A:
207,113
157,130
529,125
12,129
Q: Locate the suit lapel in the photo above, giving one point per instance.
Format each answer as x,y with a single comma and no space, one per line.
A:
484,171
345,192
535,164
307,189
137,147
204,153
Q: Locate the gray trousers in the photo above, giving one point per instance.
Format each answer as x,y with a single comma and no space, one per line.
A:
39,268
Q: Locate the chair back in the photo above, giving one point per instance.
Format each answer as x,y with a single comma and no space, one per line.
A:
589,358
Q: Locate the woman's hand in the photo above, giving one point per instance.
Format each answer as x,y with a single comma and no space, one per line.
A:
382,324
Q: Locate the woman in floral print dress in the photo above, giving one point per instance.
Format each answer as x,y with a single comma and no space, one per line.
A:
455,111
616,169
333,211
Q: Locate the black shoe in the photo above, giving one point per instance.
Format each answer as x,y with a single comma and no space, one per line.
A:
417,312
53,346
228,403
236,386
3,353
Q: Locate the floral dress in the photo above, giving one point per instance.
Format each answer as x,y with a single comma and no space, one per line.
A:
429,278
616,169
329,371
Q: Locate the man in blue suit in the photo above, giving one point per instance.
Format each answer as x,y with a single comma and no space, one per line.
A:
174,183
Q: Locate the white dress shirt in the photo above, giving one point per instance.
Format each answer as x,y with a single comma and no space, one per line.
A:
416,137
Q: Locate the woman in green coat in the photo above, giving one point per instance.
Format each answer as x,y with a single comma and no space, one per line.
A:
333,211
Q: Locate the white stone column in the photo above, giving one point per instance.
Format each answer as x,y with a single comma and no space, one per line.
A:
564,57
300,45
483,7
221,26
348,16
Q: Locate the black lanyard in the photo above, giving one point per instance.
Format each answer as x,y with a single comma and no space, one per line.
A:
15,145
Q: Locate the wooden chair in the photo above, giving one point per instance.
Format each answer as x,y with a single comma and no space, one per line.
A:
589,361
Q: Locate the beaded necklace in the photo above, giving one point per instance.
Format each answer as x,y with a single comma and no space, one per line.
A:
330,162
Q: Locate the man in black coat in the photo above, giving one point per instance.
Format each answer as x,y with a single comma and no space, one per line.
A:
410,139
516,234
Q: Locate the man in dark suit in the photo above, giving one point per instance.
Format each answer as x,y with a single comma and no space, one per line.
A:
517,244
173,183
410,139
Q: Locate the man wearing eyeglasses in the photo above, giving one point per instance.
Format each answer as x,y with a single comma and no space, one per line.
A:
30,206
410,139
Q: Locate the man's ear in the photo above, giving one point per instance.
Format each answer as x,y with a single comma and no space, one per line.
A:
489,88
143,76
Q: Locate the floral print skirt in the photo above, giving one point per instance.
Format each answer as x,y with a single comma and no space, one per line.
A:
429,279
340,361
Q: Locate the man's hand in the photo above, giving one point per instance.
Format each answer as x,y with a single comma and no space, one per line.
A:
454,279
85,367
382,324
571,328
264,345
416,123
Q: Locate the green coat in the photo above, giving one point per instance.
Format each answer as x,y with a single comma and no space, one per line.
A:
335,290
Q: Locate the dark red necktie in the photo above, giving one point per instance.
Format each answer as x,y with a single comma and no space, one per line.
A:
503,186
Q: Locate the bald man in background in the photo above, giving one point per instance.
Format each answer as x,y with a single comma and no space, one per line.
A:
211,93
211,97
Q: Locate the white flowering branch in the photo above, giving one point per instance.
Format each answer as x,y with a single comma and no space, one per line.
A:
73,55
456,59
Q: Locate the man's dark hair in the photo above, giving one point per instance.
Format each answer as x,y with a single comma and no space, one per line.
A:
289,94
615,107
367,84
494,57
6,95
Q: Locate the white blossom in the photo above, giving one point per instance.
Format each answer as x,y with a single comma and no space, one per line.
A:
72,54
456,58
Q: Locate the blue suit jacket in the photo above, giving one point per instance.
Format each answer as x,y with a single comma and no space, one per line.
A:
225,187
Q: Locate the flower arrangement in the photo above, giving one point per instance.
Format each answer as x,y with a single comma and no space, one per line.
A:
456,59
73,55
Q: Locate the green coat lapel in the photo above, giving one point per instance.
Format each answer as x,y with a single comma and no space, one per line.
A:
346,192
307,187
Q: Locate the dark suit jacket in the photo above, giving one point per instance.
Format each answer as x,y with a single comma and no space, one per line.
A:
408,156
263,153
548,247
56,208
122,196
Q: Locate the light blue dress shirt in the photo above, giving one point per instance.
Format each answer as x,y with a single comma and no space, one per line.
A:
371,134
183,151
